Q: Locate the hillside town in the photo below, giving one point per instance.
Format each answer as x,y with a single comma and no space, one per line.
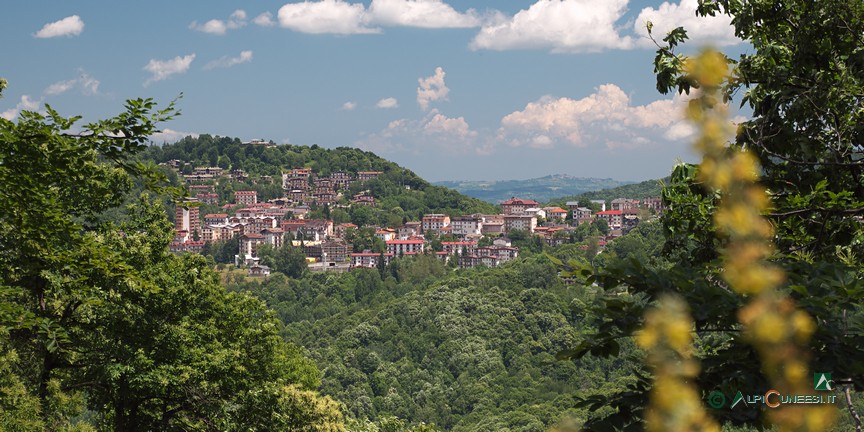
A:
286,222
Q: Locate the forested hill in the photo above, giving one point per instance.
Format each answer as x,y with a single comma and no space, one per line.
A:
645,189
398,190
538,189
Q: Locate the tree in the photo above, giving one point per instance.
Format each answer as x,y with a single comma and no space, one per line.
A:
803,80
288,259
100,316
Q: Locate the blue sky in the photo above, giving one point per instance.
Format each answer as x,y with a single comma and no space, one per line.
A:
464,89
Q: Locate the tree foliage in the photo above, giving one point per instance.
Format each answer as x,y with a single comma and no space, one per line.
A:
99,325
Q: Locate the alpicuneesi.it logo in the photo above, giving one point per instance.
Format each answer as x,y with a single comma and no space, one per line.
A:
772,398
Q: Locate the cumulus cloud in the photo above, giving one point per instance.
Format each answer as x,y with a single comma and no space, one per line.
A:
26,103
387,103
342,17
432,89
227,62
606,116
559,26
236,20
715,30
170,136
87,84
264,20
69,26
162,69
348,106
420,13
435,132
326,16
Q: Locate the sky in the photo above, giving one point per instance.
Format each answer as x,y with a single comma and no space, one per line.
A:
453,90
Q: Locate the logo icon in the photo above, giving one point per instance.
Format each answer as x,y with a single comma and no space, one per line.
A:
739,398
716,400
822,381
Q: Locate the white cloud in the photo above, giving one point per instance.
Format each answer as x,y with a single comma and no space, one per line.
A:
69,26
88,85
715,30
26,103
433,133
220,27
348,106
326,16
420,13
387,103
227,62
560,26
606,116
170,136
432,89
162,69
264,20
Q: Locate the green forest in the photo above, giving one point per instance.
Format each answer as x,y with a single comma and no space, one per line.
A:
101,328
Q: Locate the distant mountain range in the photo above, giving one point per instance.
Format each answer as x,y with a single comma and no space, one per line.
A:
540,189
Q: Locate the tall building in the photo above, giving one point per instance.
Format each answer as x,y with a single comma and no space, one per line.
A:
186,218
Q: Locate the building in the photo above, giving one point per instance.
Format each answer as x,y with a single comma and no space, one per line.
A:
572,205
386,234
186,218
368,175
466,225
248,253
555,213
258,270
624,204
601,203
216,218
614,218
247,198
207,197
335,251
434,222
410,229
369,259
403,247
654,203
459,247
519,222
515,206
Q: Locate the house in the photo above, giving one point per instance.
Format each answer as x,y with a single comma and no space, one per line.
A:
536,212
466,225
341,229
369,259
492,228
614,218
434,222
519,222
654,203
274,236
502,242
601,203
248,252
572,205
403,247
364,199
258,270
410,229
368,175
216,218
515,206
341,180
298,195
459,247
555,213
386,234
624,204
247,198
335,251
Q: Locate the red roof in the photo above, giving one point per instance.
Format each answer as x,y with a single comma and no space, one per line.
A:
216,215
518,201
389,242
610,212
453,243
253,235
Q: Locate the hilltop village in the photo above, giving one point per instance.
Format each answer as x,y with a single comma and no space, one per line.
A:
464,240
